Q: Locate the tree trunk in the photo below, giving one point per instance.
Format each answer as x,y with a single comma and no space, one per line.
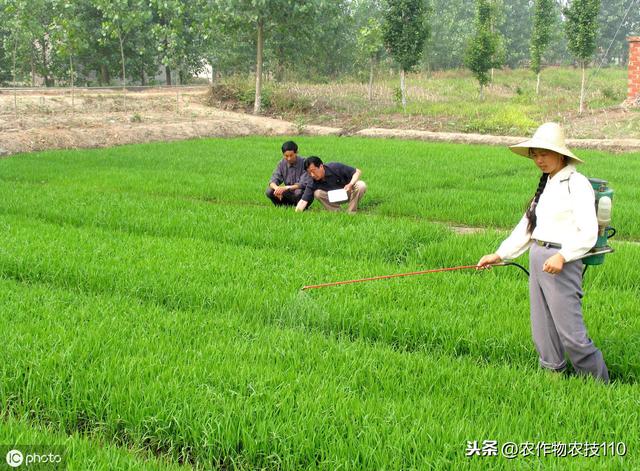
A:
167,74
104,75
371,79
403,90
33,69
280,67
257,105
584,75
143,77
15,91
73,94
538,84
47,79
124,74
481,92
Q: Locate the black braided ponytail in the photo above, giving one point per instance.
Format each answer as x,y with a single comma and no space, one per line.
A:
531,210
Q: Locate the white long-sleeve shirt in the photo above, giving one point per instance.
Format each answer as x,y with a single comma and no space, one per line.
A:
566,215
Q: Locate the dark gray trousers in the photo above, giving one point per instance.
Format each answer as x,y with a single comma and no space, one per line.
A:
289,198
556,317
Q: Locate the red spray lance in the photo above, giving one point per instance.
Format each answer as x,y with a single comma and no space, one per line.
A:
414,273
595,256
596,251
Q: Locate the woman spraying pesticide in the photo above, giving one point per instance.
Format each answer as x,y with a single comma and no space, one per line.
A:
560,226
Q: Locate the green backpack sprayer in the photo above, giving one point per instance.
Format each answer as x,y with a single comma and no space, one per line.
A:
595,256
604,196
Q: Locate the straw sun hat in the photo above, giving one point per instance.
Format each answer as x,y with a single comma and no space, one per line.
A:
548,136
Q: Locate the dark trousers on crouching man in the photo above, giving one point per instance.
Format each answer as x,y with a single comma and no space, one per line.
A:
289,198
556,317
356,193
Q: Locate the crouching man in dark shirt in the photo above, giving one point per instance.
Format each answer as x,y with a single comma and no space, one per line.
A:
328,177
291,172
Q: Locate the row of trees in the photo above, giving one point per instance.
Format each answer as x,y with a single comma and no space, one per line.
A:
95,41
111,39
405,29
59,40
485,50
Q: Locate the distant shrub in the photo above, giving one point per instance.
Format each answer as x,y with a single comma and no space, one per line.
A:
397,95
286,101
610,94
507,121
240,95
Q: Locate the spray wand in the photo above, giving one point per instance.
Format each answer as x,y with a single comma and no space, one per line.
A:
595,252
595,256
414,273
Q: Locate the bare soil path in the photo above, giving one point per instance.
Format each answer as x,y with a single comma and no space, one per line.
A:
53,119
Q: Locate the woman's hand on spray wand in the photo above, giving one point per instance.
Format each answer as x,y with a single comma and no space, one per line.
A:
488,260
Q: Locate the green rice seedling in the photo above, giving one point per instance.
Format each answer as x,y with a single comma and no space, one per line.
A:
214,390
153,307
473,185
199,274
77,453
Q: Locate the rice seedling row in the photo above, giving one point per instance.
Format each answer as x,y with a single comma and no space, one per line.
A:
152,295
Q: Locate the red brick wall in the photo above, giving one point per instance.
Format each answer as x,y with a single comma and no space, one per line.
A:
634,69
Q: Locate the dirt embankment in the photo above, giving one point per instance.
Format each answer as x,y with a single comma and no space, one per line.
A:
90,119
612,145
34,121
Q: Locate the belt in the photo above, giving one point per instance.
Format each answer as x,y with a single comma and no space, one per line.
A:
548,245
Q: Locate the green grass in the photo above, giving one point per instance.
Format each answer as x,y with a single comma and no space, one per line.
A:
152,298
473,185
449,101
77,452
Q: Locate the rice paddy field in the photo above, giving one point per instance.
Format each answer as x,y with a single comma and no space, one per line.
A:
152,316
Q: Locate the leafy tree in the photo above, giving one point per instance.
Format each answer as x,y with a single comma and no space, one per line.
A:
331,40
6,43
319,45
544,19
33,37
179,36
228,50
13,12
5,57
581,28
263,16
484,52
27,42
120,19
513,21
100,54
71,36
617,20
370,46
404,31
10,34
450,34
